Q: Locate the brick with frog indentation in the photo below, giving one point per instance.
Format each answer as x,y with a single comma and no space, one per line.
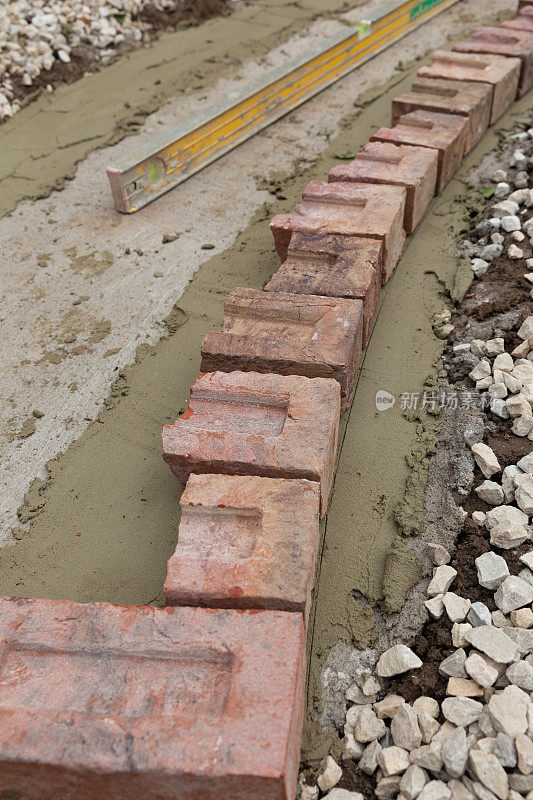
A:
100,700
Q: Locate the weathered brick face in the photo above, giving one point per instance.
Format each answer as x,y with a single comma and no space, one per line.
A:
503,74
333,266
414,168
103,701
290,334
246,423
245,542
523,22
504,42
466,98
445,133
351,210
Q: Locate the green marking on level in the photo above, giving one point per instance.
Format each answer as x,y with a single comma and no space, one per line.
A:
423,8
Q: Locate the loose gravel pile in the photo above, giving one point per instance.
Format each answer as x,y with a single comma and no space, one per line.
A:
469,735
36,36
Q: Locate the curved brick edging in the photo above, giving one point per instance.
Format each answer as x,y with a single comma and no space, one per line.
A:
236,686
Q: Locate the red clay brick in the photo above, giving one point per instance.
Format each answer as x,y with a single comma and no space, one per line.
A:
290,334
503,74
524,20
245,542
245,423
350,209
102,701
415,168
466,98
504,42
333,266
445,133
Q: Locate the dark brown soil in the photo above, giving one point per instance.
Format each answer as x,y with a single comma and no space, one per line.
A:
501,290
191,11
356,781
509,448
86,58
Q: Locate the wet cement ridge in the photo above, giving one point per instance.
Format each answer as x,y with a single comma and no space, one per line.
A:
76,119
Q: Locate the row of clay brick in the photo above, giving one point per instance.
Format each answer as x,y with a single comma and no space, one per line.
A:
337,247
254,411
344,239
191,701
257,445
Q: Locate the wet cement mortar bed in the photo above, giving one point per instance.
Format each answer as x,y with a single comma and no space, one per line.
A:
494,306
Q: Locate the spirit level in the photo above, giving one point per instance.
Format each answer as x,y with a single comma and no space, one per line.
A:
151,170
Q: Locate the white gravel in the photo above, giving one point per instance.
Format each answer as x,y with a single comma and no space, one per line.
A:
35,34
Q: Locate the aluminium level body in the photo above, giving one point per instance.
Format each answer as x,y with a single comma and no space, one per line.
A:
172,157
